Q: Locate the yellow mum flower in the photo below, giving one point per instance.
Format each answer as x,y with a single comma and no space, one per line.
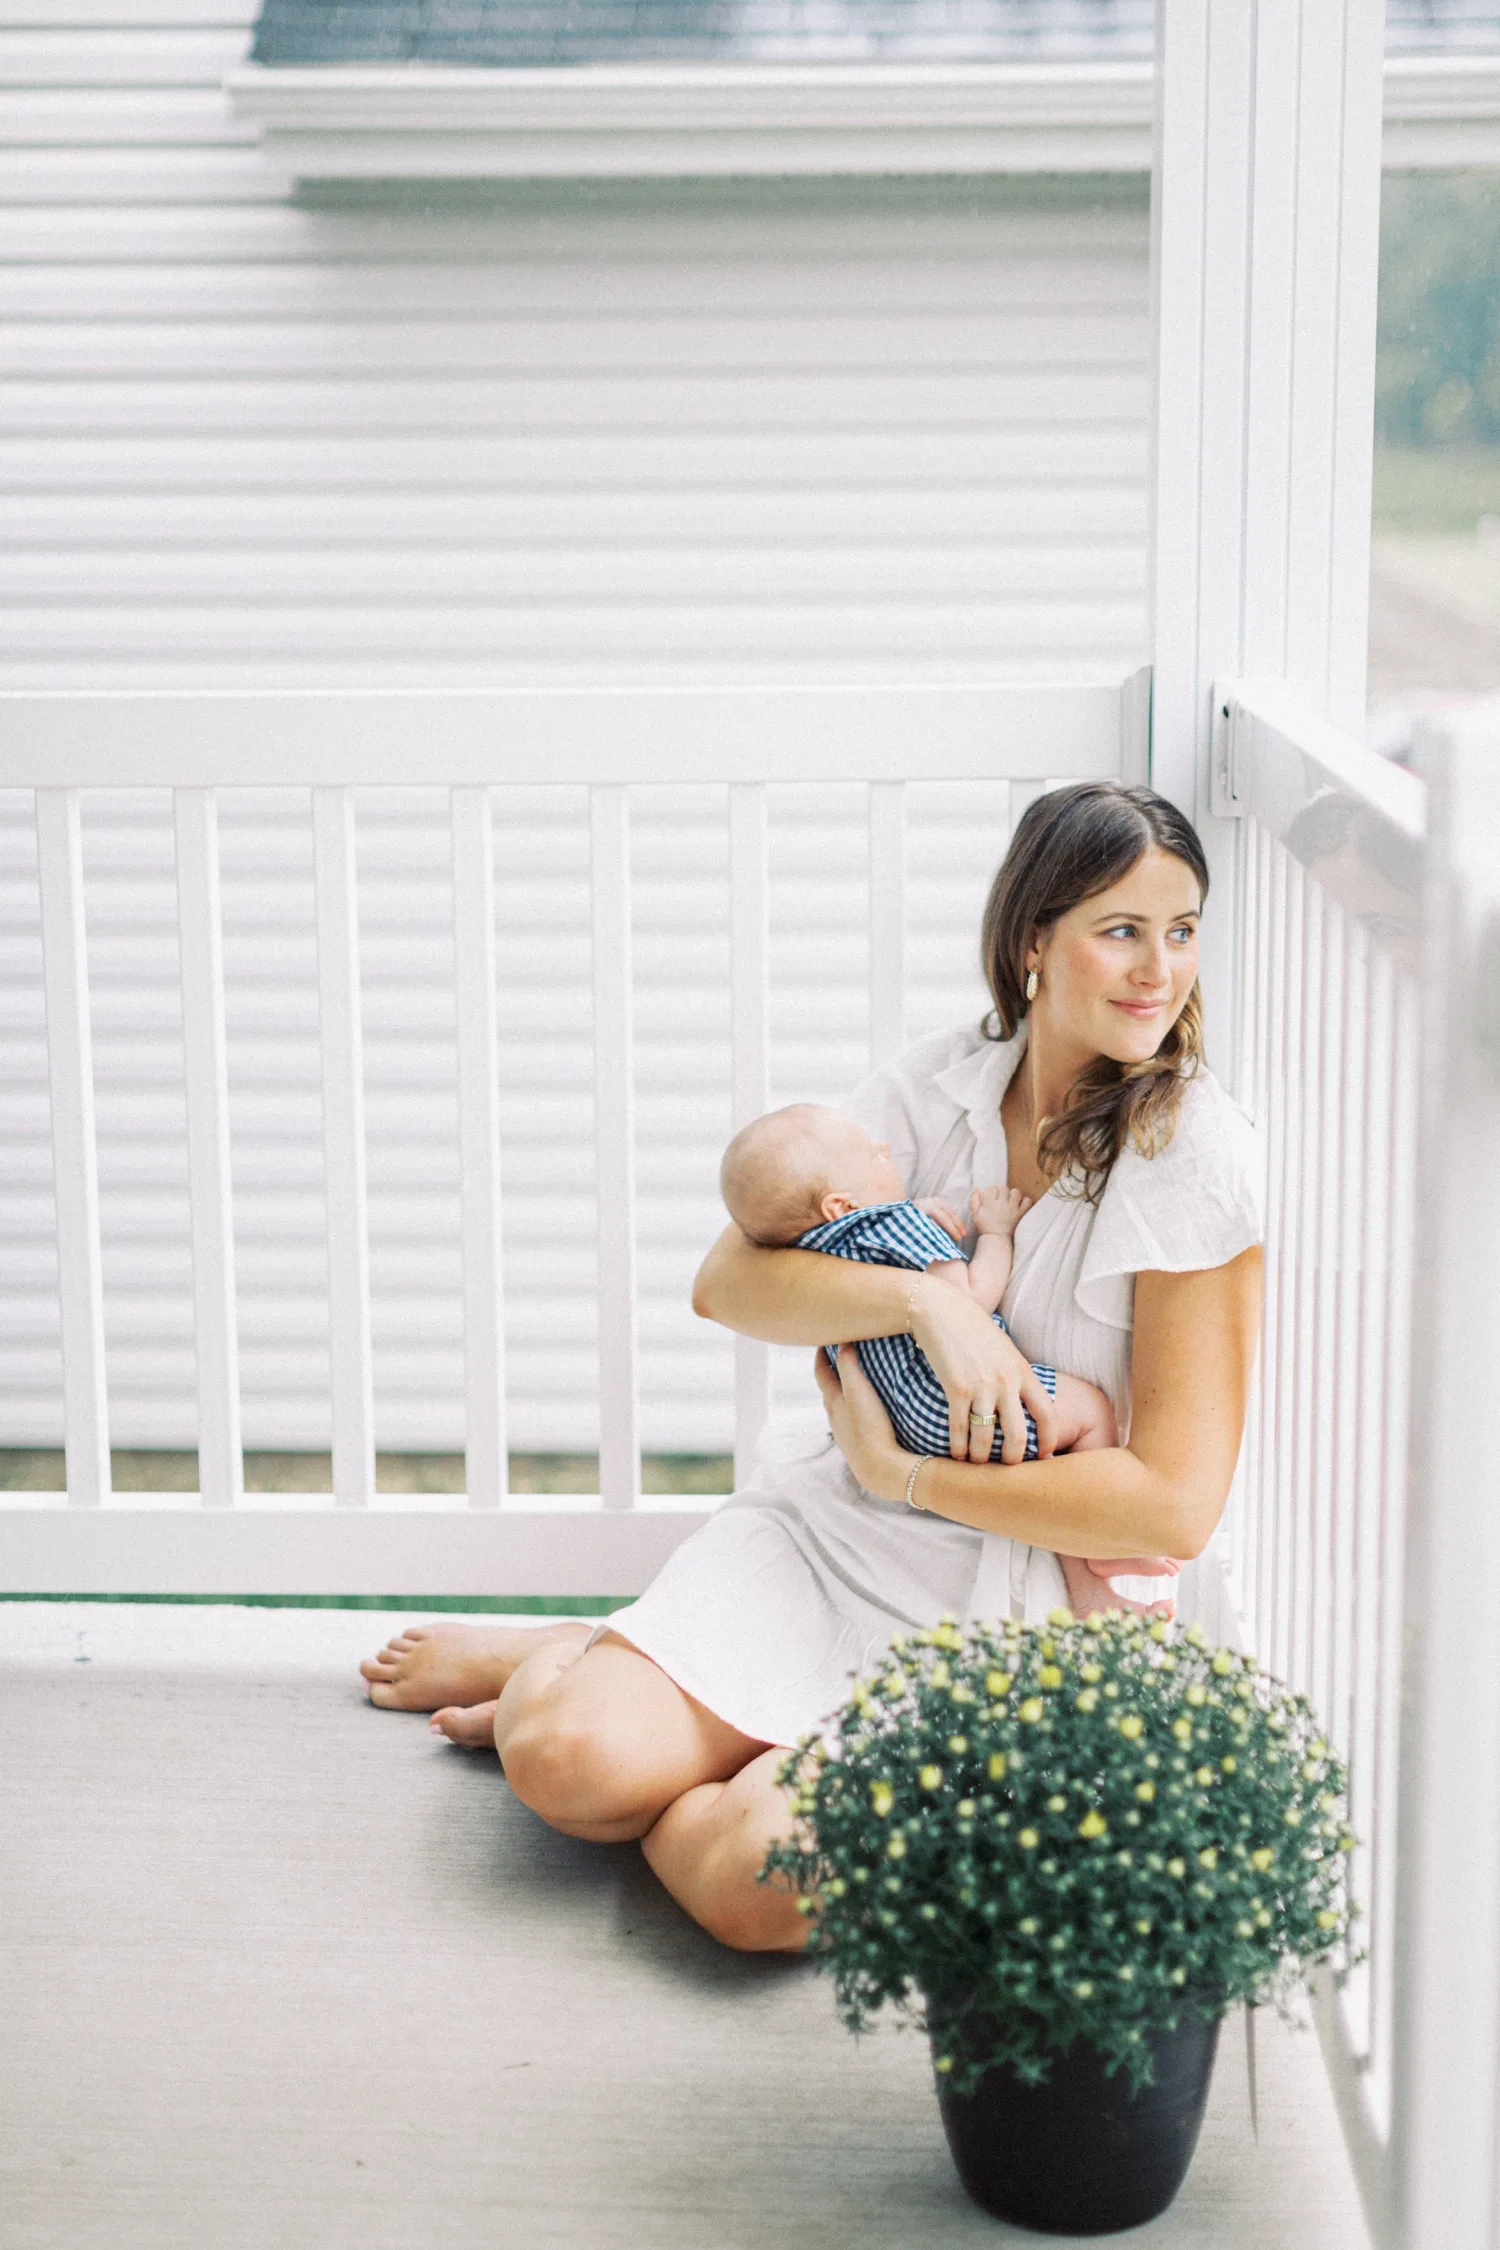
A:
1183,1729
1197,1694
1327,1921
882,1797
1204,1776
1209,1858
996,1683
1088,1701
996,1767
931,1777
1031,1710
1145,1790
1056,1617
1222,1663
1084,1989
1132,1726
1177,1867
1229,1765
1028,1839
1262,1859
1089,1673
1093,1824
958,1744
1049,1676
1057,1804
940,1674
896,1848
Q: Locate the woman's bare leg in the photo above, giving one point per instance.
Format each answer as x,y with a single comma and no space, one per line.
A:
425,1667
708,1849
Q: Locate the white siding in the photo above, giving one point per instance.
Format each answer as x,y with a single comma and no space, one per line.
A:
744,431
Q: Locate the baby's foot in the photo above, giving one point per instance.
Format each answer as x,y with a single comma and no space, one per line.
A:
424,1667
472,1728
1088,1591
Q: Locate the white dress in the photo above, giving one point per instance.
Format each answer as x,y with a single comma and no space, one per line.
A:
802,1577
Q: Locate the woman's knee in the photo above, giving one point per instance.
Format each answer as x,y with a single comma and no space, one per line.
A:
569,1772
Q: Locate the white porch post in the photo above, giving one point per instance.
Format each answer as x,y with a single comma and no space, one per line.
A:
1266,201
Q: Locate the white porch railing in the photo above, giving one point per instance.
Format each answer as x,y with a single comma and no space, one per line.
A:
359,1541
1369,1051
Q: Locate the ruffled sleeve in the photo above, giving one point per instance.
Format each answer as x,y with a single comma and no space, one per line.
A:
1196,1204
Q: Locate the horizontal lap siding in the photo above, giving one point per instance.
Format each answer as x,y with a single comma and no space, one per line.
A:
562,436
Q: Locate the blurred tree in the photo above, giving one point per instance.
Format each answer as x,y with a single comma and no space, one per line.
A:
1437,377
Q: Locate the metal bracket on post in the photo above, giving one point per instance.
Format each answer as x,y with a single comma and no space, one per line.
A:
1224,750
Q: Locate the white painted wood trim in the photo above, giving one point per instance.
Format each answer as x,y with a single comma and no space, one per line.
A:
887,921
75,1163
486,1451
700,118
307,1544
750,1092
384,121
333,737
1448,1909
210,1184
340,1034
614,1147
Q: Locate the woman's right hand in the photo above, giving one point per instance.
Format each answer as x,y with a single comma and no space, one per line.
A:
981,1371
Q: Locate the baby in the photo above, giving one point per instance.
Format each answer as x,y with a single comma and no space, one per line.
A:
807,1177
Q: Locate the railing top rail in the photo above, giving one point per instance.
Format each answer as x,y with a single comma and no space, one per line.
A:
376,738
1354,820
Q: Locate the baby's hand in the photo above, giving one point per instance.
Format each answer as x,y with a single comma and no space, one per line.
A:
947,1218
998,1210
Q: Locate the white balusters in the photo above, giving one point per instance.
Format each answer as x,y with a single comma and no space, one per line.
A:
339,1019
750,988
487,1462
887,920
210,1191
614,1145
75,1170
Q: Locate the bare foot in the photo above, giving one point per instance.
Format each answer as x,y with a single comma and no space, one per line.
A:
1090,1592
426,1667
471,1729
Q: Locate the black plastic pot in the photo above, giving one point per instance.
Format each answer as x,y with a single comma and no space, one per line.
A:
1083,2153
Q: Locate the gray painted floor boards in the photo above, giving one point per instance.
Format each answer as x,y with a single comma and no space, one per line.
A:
281,1973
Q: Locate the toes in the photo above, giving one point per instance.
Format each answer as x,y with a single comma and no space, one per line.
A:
378,1668
386,1697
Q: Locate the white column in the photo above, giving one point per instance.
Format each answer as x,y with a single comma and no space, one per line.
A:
1266,220
1447,2090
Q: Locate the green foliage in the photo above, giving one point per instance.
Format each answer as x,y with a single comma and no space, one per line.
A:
1077,1831
1437,376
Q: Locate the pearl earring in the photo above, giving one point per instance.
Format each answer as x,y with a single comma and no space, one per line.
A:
1032,982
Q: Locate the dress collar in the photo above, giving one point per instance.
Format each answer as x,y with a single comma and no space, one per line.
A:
976,1084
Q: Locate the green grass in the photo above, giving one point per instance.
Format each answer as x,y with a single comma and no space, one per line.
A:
1435,488
40,1469
466,1605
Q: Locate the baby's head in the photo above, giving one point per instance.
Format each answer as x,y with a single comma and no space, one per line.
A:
799,1167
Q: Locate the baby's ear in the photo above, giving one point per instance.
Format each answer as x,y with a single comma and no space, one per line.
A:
834,1206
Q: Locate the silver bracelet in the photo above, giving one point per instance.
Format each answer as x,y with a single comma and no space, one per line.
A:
909,1495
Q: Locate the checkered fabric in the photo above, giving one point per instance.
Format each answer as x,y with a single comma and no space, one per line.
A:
898,1234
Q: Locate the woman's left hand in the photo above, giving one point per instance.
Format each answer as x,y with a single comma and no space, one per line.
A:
861,1426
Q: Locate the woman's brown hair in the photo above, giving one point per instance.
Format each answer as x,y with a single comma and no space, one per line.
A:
1068,846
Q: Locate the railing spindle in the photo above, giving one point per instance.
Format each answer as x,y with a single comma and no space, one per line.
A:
887,920
614,1142
340,1033
221,1471
750,1064
75,1161
486,1454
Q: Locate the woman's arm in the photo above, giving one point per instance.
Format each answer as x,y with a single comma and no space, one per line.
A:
807,1297
1194,1347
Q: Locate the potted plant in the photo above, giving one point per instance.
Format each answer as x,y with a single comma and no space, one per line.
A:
1067,1850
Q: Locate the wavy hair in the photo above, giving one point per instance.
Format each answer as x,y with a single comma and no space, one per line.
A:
1067,847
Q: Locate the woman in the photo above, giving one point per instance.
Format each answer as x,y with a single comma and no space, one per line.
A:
1136,1268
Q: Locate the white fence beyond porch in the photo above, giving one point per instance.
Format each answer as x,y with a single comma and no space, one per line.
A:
476,744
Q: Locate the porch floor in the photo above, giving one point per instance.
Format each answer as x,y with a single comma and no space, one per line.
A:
281,1971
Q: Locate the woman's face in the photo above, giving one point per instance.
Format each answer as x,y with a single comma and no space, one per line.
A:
1116,971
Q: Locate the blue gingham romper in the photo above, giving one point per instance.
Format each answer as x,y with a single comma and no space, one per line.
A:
899,1234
